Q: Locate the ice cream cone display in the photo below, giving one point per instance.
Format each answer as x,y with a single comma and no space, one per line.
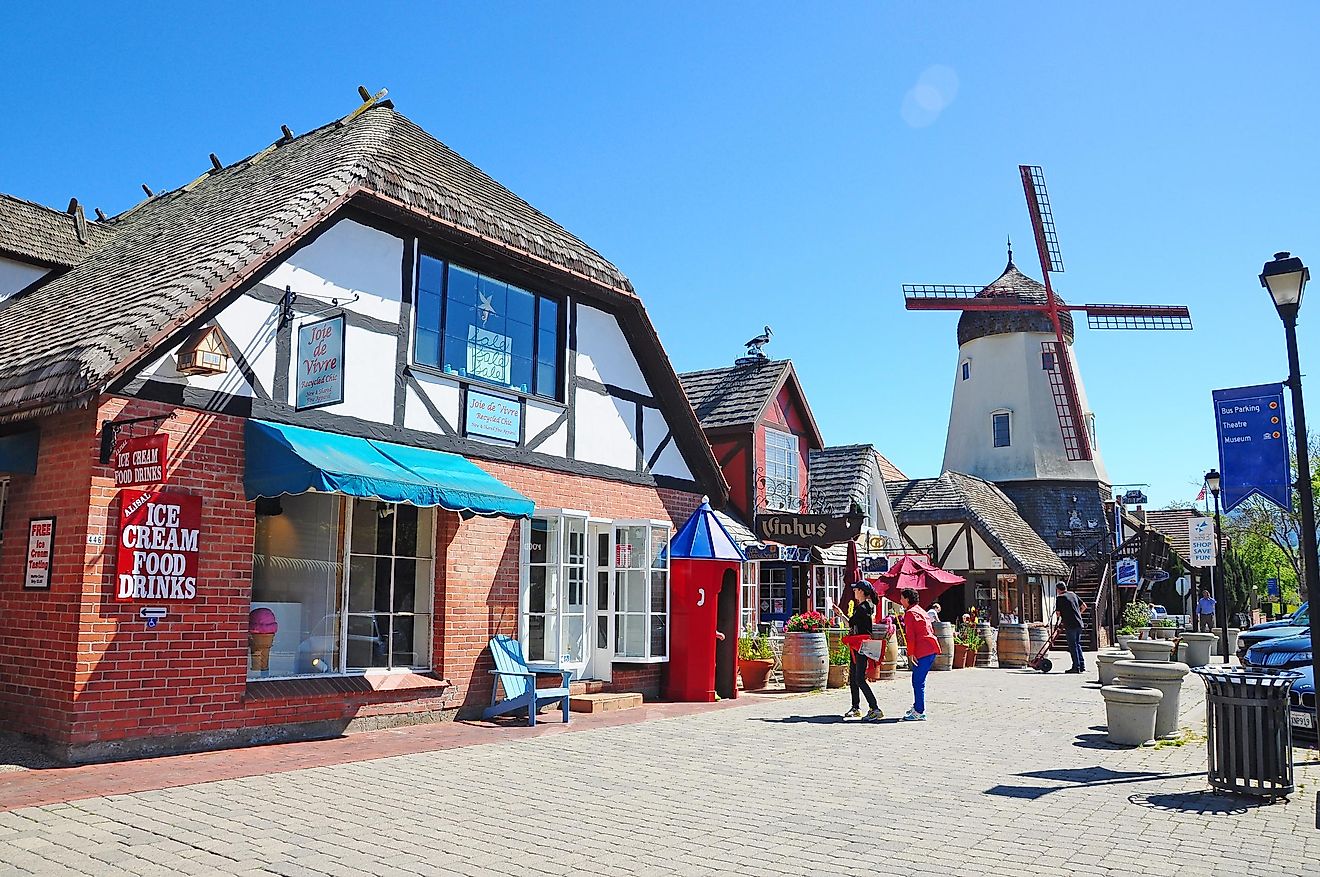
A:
261,636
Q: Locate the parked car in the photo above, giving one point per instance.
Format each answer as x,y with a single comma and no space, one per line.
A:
1302,699
1294,625
1281,653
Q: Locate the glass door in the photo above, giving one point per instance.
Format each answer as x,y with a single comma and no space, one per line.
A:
600,659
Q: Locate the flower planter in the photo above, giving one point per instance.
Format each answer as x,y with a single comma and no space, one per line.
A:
1104,662
1124,639
838,675
806,661
754,673
1167,676
1131,711
1165,633
1198,648
959,656
1151,649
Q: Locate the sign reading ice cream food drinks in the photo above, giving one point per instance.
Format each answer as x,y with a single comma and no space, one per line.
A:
320,364
41,544
158,541
493,417
141,460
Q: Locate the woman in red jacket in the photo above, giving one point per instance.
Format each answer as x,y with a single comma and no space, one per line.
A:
922,647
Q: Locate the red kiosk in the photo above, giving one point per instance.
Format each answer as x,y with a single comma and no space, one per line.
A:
705,580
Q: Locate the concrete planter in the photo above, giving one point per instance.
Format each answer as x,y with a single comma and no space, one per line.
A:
1105,662
1198,648
1150,649
1180,652
1131,712
1162,633
1167,676
1125,638
1232,640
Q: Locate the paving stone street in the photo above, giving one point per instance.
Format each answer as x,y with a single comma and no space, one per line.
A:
1010,776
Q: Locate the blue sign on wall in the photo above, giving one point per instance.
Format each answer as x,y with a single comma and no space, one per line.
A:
1253,445
320,364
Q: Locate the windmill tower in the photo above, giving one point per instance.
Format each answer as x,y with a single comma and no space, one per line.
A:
1020,416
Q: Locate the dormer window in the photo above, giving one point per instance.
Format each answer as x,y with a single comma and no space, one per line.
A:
204,353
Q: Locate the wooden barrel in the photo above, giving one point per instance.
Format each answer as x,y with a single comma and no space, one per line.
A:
806,661
944,632
1037,634
889,664
1012,645
986,653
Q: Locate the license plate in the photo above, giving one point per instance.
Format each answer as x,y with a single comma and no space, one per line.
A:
1303,720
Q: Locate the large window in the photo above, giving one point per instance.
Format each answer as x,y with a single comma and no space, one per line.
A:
473,326
774,591
781,470
378,616
641,600
1001,427
749,617
554,607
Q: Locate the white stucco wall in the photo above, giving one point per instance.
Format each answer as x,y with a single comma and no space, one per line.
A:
17,275
603,354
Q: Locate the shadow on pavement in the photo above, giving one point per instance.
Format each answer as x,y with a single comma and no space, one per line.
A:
1096,741
822,720
1079,777
1203,803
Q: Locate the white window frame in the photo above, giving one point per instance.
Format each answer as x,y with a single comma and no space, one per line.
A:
561,566
620,579
749,615
965,370
791,450
1090,426
1006,413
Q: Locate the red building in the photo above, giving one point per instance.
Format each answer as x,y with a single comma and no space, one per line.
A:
280,450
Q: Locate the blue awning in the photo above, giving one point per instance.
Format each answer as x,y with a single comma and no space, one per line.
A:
703,537
292,459
18,453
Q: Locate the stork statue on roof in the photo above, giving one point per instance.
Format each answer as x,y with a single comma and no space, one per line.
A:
1020,416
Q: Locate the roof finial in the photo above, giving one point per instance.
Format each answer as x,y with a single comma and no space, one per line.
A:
1010,251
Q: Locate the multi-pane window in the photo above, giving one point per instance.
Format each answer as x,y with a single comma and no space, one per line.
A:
1001,426
474,326
1047,360
554,605
748,615
390,585
641,598
774,590
781,470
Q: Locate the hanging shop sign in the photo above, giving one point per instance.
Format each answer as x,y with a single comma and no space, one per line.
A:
1253,445
817,531
1201,531
1128,572
141,460
493,417
785,553
158,542
40,552
320,364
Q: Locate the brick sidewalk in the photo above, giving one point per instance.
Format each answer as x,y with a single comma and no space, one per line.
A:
1010,776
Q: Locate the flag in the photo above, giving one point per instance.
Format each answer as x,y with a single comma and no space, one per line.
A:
1200,496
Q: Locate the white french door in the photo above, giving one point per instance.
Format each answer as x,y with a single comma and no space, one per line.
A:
600,642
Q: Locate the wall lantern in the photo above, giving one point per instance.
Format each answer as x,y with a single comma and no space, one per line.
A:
204,353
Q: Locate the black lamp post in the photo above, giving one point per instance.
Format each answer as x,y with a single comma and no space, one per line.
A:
1218,588
1285,277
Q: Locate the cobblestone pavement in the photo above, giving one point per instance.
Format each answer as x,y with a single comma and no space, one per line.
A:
1010,776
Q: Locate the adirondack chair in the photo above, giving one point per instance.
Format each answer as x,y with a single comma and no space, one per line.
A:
519,683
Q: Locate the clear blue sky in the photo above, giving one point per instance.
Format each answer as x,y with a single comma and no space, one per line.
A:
781,163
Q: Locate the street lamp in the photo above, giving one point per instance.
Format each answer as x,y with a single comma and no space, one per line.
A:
1285,277
1219,591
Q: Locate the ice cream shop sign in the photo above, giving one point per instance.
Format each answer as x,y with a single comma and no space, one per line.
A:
158,535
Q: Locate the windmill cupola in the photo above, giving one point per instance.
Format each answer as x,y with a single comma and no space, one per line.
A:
1011,284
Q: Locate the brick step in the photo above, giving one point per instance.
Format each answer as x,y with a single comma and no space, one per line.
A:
604,702
586,686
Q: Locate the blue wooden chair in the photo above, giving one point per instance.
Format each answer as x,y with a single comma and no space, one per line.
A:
519,683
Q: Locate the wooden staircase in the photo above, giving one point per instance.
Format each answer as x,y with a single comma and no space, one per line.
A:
1092,582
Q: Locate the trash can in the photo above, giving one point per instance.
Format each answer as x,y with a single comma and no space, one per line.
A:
1250,737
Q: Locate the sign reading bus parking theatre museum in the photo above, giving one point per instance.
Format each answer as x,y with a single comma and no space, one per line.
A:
1253,445
141,460
158,537
320,364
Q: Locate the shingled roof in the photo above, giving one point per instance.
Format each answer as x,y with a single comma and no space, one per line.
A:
955,497
840,476
1172,524
735,395
888,470
1012,284
35,233
167,259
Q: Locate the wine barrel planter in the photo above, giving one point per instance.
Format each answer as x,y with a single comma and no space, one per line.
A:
889,664
806,661
1037,635
986,653
944,632
1012,644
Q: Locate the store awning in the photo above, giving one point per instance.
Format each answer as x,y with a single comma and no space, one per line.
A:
292,459
18,453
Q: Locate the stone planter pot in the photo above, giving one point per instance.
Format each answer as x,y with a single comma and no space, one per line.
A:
1150,649
1143,633
1124,639
1162,632
1131,712
754,673
1105,661
806,661
1198,648
1167,676
1232,640
944,632
838,675
1180,651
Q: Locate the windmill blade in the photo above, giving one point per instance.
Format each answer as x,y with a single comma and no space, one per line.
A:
939,290
946,297
1137,316
1067,402
1042,218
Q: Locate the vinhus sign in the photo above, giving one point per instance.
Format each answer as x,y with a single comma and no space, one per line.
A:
819,531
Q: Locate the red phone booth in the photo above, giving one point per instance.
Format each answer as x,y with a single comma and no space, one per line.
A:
705,581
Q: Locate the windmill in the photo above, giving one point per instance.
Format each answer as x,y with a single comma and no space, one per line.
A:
1062,379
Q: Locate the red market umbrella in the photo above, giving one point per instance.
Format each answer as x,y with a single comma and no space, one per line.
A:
852,568
915,571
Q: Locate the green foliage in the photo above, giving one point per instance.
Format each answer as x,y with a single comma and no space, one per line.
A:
754,647
1136,615
840,655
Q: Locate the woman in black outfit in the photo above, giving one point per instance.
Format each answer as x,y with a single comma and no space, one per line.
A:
861,622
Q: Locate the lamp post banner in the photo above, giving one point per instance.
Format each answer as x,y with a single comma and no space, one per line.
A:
1253,445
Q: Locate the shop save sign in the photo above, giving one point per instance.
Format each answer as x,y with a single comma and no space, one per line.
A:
158,535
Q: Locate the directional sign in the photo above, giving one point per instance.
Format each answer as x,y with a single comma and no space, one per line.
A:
1253,445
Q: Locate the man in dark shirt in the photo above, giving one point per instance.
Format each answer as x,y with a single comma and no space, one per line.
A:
1068,611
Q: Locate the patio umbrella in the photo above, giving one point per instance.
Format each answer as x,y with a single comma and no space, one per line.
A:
915,571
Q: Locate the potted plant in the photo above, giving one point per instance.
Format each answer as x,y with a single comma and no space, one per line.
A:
1126,634
840,656
973,642
755,660
806,659
1136,618
1162,628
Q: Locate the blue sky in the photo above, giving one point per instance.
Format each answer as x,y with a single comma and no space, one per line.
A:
777,163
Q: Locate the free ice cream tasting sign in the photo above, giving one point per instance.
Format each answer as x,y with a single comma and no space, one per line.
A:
320,379
158,538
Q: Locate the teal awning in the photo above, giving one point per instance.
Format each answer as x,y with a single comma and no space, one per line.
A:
18,453
292,459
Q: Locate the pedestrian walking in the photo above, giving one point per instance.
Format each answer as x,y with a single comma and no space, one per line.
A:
861,622
1068,610
1205,612
934,613
922,649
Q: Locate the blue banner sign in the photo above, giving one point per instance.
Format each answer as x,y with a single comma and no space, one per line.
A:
1253,445
1272,587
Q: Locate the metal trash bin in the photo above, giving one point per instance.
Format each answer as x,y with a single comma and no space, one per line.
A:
1250,736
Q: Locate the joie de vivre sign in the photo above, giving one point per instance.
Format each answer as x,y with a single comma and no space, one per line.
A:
494,417
141,460
820,531
1253,445
1201,532
158,541
40,551
320,364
